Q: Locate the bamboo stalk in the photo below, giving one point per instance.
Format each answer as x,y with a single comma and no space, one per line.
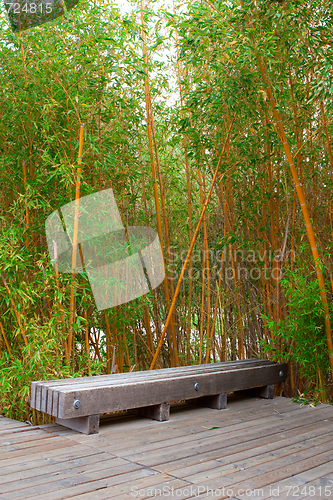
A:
62,319
206,250
115,334
210,335
135,347
15,309
86,341
95,346
202,311
308,224
298,132
108,345
126,350
146,322
5,338
329,148
75,244
241,352
189,201
302,201
150,129
233,255
272,211
24,166
49,308
203,286
190,250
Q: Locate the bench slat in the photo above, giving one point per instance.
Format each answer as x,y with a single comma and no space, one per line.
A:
33,394
104,399
150,377
55,400
121,378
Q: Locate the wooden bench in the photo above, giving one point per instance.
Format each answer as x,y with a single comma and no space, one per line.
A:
78,402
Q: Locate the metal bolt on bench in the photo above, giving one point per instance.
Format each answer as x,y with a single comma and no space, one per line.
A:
78,402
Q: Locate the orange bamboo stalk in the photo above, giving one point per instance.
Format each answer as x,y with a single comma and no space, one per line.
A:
308,225
58,288
330,155
155,316
206,270
135,348
15,310
47,297
116,363
293,233
190,235
202,309
126,351
67,97
240,347
5,338
150,129
272,210
86,338
206,249
190,250
302,201
210,335
241,352
189,200
223,203
298,132
75,245
24,166
108,344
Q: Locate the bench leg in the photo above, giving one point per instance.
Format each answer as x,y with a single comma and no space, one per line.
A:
265,392
86,425
159,412
217,401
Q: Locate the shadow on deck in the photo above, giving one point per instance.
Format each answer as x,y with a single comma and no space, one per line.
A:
255,448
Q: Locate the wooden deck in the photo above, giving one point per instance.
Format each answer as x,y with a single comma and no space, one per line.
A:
272,448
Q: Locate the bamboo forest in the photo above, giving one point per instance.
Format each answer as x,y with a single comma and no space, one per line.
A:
212,123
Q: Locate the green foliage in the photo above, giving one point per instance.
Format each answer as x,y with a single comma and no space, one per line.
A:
42,359
300,337
302,400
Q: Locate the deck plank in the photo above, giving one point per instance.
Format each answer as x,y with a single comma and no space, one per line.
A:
257,444
187,419
240,433
191,423
261,454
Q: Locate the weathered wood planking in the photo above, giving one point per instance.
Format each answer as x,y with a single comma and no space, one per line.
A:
255,443
208,385
164,371
240,435
108,397
38,400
